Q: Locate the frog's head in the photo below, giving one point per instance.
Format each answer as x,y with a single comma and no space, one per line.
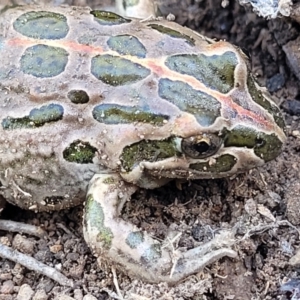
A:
227,124
151,163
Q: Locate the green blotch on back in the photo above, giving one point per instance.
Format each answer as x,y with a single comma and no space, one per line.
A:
215,71
223,163
44,61
42,25
116,71
108,18
127,45
173,33
95,216
80,152
258,97
118,114
204,107
148,150
265,146
36,118
151,254
134,239
78,96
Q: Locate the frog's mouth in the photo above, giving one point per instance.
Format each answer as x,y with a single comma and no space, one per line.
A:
226,162
206,155
154,151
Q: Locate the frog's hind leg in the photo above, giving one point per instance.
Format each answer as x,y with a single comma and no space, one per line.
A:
133,250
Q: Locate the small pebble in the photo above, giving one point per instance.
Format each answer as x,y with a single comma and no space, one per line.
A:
78,294
292,107
89,297
250,207
23,244
291,50
25,292
40,295
55,248
276,82
7,287
295,260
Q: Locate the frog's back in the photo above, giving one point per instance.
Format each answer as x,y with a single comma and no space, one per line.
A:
58,127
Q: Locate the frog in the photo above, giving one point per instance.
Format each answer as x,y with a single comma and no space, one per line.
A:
96,104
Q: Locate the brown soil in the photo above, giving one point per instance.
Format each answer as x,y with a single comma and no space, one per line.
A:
259,203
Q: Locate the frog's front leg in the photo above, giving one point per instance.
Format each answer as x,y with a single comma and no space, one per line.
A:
132,249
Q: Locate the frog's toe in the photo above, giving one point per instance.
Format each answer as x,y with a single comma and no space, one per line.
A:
133,250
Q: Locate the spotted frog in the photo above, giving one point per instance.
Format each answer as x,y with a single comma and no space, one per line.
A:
95,105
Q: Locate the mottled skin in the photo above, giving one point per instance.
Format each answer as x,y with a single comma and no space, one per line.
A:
156,101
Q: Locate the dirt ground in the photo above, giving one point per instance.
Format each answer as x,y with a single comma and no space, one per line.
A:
263,205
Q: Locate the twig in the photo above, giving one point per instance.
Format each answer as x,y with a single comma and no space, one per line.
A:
34,265
116,283
20,227
262,228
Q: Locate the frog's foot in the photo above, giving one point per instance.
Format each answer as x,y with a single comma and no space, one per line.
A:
134,251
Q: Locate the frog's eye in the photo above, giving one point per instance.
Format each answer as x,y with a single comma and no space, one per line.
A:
201,146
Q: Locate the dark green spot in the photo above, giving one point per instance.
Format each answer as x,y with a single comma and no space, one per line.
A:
36,118
42,25
78,96
173,33
147,150
108,18
118,114
258,97
204,107
79,152
151,254
44,61
134,239
215,71
127,45
266,146
223,163
95,215
116,71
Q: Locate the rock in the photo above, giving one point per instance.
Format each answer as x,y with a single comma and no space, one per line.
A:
25,292
23,244
89,297
295,260
292,52
40,295
275,83
7,287
293,202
